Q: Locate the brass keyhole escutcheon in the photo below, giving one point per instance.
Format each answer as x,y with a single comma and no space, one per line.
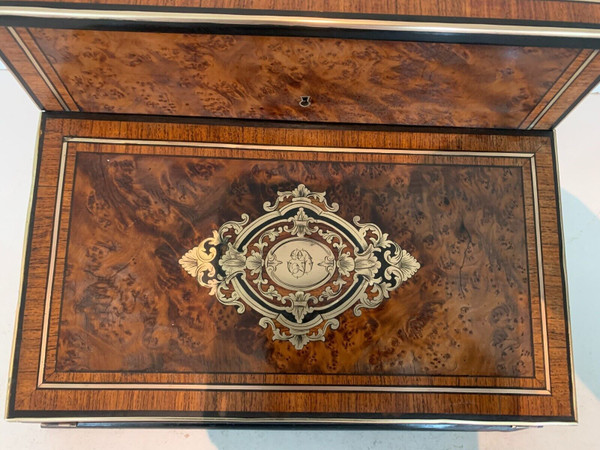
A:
305,101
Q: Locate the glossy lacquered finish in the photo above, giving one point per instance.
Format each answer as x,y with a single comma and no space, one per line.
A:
313,262
544,11
477,332
265,77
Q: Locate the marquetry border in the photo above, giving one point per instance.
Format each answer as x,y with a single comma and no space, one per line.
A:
293,18
120,407
576,80
43,384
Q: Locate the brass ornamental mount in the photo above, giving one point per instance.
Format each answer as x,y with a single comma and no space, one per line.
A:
300,265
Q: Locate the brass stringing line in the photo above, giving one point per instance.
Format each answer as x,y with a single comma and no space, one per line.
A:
52,264
566,275
38,68
292,420
302,21
538,237
27,237
297,148
449,389
295,388
563,89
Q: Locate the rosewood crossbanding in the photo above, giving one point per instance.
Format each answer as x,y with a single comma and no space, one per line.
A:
229,225
134,197
544,11
153,319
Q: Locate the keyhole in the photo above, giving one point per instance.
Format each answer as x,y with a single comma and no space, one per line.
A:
305,101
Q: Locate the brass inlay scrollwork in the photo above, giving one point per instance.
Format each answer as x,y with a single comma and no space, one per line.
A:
300,265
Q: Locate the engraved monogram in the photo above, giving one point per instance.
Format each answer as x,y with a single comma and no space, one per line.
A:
300,262
300,266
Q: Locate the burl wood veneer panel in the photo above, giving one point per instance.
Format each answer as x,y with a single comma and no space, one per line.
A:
534,10
112,219
465,313
263,77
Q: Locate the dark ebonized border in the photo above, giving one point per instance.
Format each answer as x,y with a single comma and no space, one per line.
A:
298,159
64,86
299,31
296,419
302,13
217,121
25,275
293,419
589,89
567,67
20,79
563,277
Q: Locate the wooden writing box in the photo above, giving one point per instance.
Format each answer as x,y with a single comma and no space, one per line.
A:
275,216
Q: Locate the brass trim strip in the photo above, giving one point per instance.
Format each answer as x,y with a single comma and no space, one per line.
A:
52,263
291,148
289,420
301,21
38,68
437,389
295,388
28,234
565,271
563,89
540,262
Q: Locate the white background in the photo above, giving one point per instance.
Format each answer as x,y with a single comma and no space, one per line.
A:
579,157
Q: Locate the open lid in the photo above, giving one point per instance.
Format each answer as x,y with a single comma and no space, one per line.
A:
507,65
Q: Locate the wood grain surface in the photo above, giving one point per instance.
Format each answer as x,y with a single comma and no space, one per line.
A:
60,92
132,217
531,10
25,71
134,208
566,99
263,77
546,114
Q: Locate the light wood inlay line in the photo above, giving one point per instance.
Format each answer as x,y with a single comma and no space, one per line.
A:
296,148
303,21
35,64
563,89
52,265
538,242
276,387
303,420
